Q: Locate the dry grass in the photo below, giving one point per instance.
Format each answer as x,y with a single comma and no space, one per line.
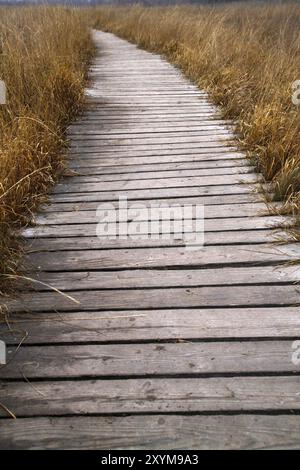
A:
247,57
44,58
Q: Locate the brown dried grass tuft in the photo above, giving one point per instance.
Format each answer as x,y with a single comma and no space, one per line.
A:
45,52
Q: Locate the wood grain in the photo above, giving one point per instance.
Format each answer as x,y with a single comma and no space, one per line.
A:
167,432
187,359
152,396
154,325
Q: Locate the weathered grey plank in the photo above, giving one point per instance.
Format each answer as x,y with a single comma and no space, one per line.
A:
178,105
153,325
209,201
158,99
148,92
96,95
153,432
156,183
203,160
143,118
165,257
176,128
151,359
100,129
139,103
102,168
155,396
153,149
124,114
121,176
187,297
167,278
153,138
237,237
194,152
162,211
148,229
128,127
155,193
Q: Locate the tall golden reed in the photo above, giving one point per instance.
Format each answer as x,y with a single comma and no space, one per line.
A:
44,55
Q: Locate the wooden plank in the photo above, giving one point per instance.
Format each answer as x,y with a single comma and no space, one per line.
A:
163,210
165,93
134,73
87,134
153,325
168,89
152,396
112,124
161,432
238,237
123,360
116,70
144,89
101,161
203,153
96,97
157,183
153,138
158,174
113,72
238,165
94,146
137,130
91,154
166,229
114,119
179,155
172,112
181,127
153,104
126,112
149,90
165,257
100,94
123,109
208,201
154,193
99,101
163,278
154,149
147,94
146,86
187,297
141,116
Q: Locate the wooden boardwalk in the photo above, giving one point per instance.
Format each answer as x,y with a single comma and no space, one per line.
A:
161,346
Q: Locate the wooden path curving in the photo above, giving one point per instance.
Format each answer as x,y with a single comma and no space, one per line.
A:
162,346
